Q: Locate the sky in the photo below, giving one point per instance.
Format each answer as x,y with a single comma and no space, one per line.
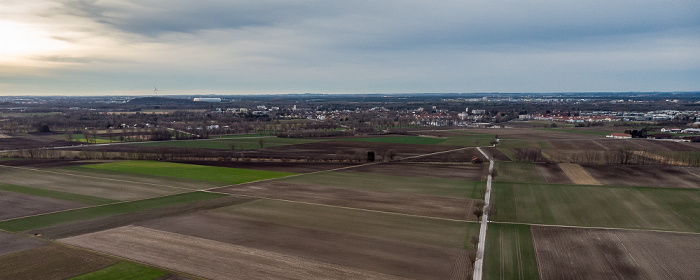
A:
128,47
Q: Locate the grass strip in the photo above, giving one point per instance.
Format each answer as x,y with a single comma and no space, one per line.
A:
123,270
51,219
510,253
191,171
86,199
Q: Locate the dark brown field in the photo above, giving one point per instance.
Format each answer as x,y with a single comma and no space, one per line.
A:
645,175
51,262
431,206
14,205
568,253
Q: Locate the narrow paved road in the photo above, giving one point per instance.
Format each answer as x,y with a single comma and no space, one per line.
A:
479,263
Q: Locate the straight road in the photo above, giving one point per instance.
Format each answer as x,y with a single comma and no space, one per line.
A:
479,263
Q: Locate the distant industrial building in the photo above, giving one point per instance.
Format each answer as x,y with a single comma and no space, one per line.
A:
207,99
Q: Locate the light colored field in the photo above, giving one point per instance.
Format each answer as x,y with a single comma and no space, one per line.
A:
85,185
190,171
79,198
15,205
598,206
211,259
437,232
567,253
390,183
578,175
509,253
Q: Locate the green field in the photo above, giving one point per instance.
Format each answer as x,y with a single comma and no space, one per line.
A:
190,171
509,253
239,143
524,172
438,232
418,140
598,206
388,183
100,211
86,199
123,270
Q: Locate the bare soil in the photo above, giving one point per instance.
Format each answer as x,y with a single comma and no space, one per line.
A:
645,175
568,253
464,155
51,262
15,205
423,205
470,172
553,174
577,174
14,243
404,259
212,259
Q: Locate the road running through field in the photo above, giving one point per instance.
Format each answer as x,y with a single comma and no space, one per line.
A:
479,263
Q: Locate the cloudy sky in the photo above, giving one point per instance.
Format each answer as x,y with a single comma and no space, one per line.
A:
66,47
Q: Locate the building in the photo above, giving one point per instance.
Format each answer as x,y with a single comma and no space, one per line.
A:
619,135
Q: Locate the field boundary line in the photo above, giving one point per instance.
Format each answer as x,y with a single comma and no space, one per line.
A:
627,250
343,207
590,227
101,178
534,247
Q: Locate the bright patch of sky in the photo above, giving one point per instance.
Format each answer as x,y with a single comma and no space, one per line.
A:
91,47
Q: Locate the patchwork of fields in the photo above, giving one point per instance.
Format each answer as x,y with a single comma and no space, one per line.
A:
416,218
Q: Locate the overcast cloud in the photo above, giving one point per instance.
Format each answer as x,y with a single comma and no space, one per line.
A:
216,46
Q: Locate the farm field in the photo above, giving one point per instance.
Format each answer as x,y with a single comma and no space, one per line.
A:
417,140
51,262
190,171
390,226
213,259
16,205
239,143
406,259
123,270
569,253
104,210
553,174
280,166
577,174
509,253
14,243
86,184
79,198
598,206
646,175
469,172
397,202
390,183
517,172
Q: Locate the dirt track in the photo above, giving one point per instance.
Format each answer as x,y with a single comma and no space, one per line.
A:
391,257
432,206
212,259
